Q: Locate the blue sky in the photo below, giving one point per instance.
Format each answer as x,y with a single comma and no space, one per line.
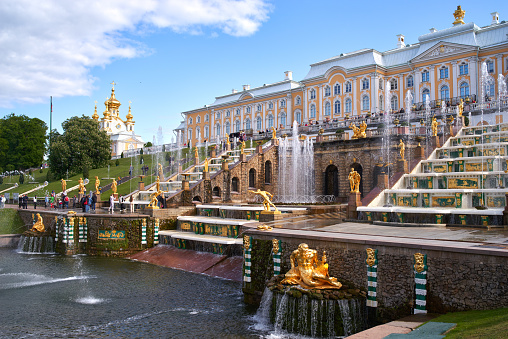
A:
172,56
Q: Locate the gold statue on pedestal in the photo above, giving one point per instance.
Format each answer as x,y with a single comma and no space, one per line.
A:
153,200
359,133
196,154
266,202
39,225
459,16
363,128
64,185
97,184
81,186
206,165
402,147
274,133
354,181
161,173
242,149
310,271
461,107
434,126
114,186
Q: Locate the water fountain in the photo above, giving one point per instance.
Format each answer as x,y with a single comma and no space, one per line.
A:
296,169
36,240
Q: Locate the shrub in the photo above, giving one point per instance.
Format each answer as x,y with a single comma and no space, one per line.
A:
49,176
141,151
121,155
1,180
117,162
85,172
21,178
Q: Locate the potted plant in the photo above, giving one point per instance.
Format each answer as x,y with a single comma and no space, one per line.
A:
403,128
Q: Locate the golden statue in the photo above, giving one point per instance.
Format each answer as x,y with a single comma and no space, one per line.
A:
359,133
310,272
161,173
461,107
354,181
266,202
274,133
64,185
459,16
39,225
97,184
196,154
206,165
81,186
434,126
419,262
227,139
402,147
371,257
114,186
363,128
153,200
158,184
242,149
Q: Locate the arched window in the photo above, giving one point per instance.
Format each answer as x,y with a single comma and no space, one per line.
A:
270,105
298,100
365,84
228,128
328,91
381,102
410,81
443,72
259,108
189,134
336,89
365,103
252,178
394,101
313,94
228,113
425,76
268,172
381,84
348,105
207,118
348,87
282,103
218,116
299,117
234,185
464,89
247,124
270,121
425,94
489,90
217,130
238,111
237,126
283,119
313,111
206,132
216,192
490,66
248,109
258,123
336,107
190,121
198,119
393,84
328,109
445,93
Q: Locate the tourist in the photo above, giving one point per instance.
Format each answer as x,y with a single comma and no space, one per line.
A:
131,200
35,202
94,201
2,201
46,201
111,204
25,202
121,203
83,202
52,200
66,202
20,201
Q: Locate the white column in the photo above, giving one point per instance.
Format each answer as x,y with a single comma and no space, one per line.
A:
320,114
305,116
289,109
353,103
455,75
263,116
499,69
401,91
473,76
242,113
374,90
432,83
417,76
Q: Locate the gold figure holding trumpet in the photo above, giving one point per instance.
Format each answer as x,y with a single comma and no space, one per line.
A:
308,271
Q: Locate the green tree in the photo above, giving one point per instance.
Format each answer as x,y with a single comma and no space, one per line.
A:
148,144
82,144
21,178
22,141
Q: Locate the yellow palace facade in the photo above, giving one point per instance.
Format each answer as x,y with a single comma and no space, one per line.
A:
444,65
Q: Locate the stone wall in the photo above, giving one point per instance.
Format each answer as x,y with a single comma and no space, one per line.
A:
457,281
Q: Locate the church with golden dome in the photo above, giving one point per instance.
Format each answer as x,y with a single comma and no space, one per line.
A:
121,132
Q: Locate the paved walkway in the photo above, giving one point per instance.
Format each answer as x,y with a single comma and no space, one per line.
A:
401,326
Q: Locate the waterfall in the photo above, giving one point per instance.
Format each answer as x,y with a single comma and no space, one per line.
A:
28,244
262,317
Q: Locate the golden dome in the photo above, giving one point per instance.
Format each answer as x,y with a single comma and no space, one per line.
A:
106,112
113,102
129,115
95,116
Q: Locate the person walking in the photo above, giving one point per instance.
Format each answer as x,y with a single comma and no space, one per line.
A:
131,200
35,202
94,201
111,204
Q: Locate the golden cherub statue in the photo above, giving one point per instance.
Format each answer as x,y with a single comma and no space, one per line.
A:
434,126
357,132
274,133
39,225
266,196
97,184
308,271
114,186
206,165
402,147
64,185
81,186
354,181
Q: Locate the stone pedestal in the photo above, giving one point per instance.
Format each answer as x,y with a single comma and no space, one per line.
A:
345,136
259,149
382,181
115,195
185,185
98,195
354,201
435,140
402,166
267,216
213,153
225,166
275,142
141,186
196,161
206,175
319,138
228,147
243,157
419,152
180,168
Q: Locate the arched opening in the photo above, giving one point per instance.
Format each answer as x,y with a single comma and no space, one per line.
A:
197,198
332,180
357,167
252,178
268,172
216,192
234,185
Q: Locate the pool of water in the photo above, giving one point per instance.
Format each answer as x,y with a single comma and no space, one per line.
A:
53,296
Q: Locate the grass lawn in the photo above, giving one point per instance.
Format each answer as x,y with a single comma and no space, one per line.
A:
477,324
10,222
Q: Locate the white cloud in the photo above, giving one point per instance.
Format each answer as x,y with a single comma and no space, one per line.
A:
48,47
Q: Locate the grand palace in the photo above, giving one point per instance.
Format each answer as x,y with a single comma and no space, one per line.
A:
444,65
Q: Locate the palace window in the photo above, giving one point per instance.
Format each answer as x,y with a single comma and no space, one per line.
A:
228,128
328,109
328,91
228,113
381,102
299,117
248,109
207,118
247,124
348,87
394,101
217,129
464,89
190,121
348,105
365,103
490,66
198,119
270,105
443,73
270,121
393,84
258,123
381,84
283,119
298,101
313,111
189,133
365,84
489,90
336,89
283,103
425,94
237,111
217,116
445,93
312,94
206,132
259,108
463,69
425,76
237,126
336,107
410,81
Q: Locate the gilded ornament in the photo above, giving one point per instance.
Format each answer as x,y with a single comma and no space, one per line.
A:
434,126
97,184
274,133
275,246
459,16
264,227
246,242
64,185
354,181
419,262
114,186
266,199
81,186
39,225
402,147
371,257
